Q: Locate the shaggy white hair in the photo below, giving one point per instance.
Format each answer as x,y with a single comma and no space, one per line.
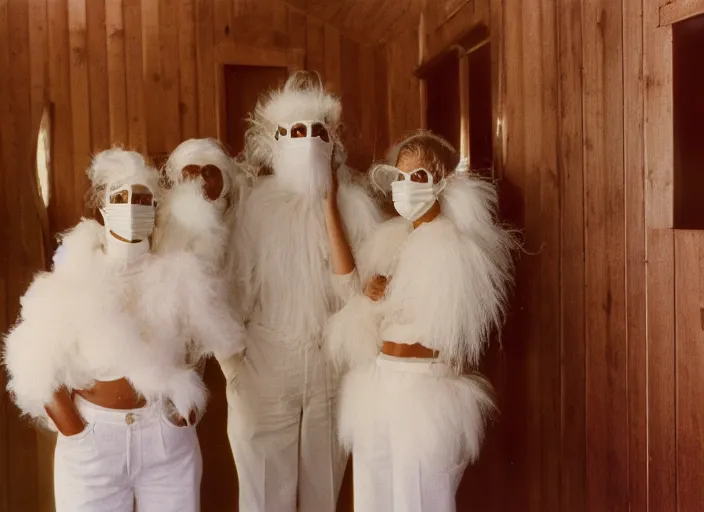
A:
91,317
282,247
114,167
187,220
302,98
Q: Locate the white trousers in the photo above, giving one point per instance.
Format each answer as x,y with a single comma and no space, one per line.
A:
406,422
127,458
281,426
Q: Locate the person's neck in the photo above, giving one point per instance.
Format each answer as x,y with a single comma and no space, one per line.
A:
428,216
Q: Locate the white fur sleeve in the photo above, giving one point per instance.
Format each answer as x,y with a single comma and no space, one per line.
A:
210,315
35,353
352,334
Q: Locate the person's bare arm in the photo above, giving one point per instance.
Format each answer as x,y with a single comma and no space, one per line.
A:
340,252
64,414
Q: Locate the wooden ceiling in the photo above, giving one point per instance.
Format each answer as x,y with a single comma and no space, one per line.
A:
367,21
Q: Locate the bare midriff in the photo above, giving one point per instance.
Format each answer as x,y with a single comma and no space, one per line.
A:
115,394
416,350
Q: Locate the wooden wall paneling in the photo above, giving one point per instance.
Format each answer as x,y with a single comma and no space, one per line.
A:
518,429
367,104
659,157
498,100
351,96
296,28
403,86
39,59
63,206
672,11
549,289
662,387
188,104
116,69
260,23
333,60
25,250
99,102
658,114
607,355
170,82
636,331
689,325
207,120
468,17
155,102
5,321
573,344
315,46
80,104
223,26
381,95
134,63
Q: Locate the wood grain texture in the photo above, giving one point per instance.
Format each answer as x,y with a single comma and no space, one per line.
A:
134,62
680,10
315,41
333,60
689,332
116,66
170,83
188,105
207,121
153,76
636,307
99,103
573,342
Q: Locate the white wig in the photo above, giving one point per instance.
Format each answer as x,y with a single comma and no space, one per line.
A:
302,98
115,167
200,152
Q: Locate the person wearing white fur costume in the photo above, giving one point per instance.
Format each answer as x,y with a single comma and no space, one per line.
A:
437,280
292,276
98,352
197,211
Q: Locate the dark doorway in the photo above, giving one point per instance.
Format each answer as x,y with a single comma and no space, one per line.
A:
443,99
243,86
688,99
481,146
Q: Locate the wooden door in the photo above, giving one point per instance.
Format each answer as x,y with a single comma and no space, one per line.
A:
243,86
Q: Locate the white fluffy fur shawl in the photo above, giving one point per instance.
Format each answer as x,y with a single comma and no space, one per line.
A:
449,280
282,247
91,316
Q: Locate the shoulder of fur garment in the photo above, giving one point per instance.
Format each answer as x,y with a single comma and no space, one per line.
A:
77,324
452,286
283,255
79,246
381,249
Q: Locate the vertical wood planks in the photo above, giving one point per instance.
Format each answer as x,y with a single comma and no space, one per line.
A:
136,109
39,61
315,47
333,60
152,76
116,69
170,83
607,355
351,98
634,176
296,28
689,305
573,346
188,106
99,103
207,122
80,104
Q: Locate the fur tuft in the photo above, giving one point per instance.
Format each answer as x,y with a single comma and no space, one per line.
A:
114,167
352,334
431,417
302,98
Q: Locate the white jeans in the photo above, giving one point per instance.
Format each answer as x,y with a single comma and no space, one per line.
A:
408,423
281,425
127,458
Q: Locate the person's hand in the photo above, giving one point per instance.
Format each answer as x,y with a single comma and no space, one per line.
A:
376,287
71,426
180,421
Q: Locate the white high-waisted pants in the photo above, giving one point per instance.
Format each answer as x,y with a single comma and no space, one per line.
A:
123,458
281,426
413,427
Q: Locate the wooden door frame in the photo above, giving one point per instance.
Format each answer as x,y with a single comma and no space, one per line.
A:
236,54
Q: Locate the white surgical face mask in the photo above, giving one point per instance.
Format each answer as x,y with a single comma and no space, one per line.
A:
304,164
131,222
411,199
